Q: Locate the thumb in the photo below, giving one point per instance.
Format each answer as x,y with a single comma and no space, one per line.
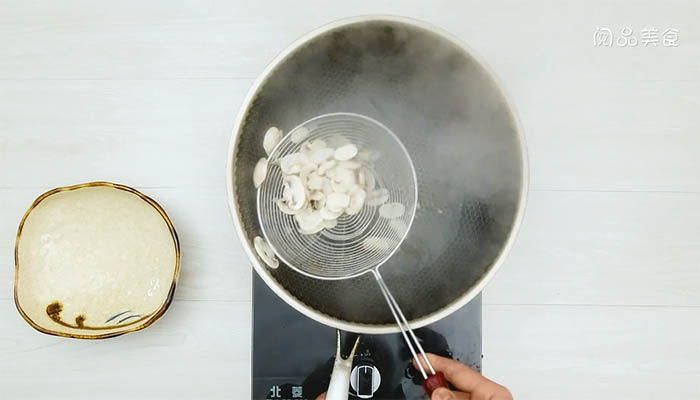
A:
443,394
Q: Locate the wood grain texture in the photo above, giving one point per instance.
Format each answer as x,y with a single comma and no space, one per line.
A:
591,353
196,350
597,300
604,248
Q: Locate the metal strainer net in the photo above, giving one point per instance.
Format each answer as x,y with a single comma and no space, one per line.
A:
350,248
343,252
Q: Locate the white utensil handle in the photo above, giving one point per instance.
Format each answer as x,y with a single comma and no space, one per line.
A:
339,387
340,380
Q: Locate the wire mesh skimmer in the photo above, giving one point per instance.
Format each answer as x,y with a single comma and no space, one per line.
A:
359,243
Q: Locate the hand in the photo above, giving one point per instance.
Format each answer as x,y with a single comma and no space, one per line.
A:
470,384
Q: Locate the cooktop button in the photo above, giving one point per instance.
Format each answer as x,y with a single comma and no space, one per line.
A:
365,380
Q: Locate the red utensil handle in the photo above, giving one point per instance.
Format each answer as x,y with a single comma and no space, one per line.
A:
433,382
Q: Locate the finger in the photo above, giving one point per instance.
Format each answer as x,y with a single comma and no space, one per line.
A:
321,396
447,394
458,374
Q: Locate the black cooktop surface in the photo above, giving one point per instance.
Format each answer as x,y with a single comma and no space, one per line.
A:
293,355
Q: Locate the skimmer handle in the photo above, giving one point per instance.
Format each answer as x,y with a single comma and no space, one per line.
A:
432,380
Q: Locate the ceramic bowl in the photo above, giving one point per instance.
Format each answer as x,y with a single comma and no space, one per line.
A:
94,260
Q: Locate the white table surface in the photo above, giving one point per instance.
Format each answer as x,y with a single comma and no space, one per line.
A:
599,298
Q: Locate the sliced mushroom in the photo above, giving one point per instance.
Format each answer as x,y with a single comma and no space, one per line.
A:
329,215
350,164
306,170
330,223
299,135
317,200
294,192
337,201
292,163
368,176
315,181
363,155
325,166
272,137
331,173
357,201
344,175
265,252
309,219
284,207
321,155
343,180
311,146
260,172
377,197
392,210
346,152
327,187
376,243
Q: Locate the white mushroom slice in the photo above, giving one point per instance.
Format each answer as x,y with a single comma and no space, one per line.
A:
260,172
272,137
337,201
299,135
308,219
344,175
376,243
369,179
315,182
354,187
392,210
377,197
282,205
330,223
292,163
398,226
331,173
346,152
343,180
321,155
327,187
317,196
325,166
368,155
294,192
357,200
313,145
350,164
317,200
341,186
306,170
329,215
265,252
363,155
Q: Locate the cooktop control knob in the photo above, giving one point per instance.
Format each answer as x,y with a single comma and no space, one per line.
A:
365,380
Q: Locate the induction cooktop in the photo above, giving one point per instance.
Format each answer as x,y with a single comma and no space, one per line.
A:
293,355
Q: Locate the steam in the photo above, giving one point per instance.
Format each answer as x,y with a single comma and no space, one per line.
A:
458,130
